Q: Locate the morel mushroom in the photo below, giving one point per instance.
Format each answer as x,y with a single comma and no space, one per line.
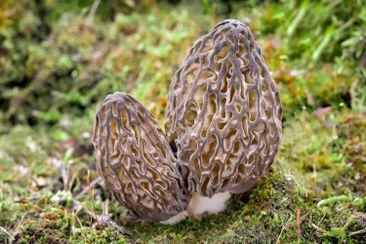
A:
135,160
223,114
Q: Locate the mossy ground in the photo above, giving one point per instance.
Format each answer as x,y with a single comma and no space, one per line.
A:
58,60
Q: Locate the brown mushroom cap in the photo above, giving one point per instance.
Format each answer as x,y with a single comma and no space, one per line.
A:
224,112
135,160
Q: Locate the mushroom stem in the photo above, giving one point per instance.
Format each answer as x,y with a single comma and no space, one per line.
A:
175,219
199,204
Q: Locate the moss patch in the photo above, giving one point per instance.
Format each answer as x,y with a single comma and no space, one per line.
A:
58,60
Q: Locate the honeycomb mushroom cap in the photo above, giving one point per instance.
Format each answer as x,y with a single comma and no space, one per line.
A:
224,112
135,160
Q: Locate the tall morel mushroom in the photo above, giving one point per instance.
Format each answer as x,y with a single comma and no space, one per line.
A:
135,160
223,115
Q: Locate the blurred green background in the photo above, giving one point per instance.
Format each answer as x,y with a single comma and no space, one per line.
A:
59,59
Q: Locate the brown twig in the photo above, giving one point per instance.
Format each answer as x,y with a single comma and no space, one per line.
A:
283,228
363,231
102,219
91,185
7,233
298,225
92,11
105,218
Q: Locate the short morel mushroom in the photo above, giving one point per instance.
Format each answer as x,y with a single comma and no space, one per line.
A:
136,161
223,115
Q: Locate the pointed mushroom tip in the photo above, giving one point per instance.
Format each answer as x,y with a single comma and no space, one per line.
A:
229,21
119,98
116,94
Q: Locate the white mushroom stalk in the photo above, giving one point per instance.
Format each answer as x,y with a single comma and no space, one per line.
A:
213,205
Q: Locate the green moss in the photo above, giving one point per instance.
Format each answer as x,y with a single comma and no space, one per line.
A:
58,62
